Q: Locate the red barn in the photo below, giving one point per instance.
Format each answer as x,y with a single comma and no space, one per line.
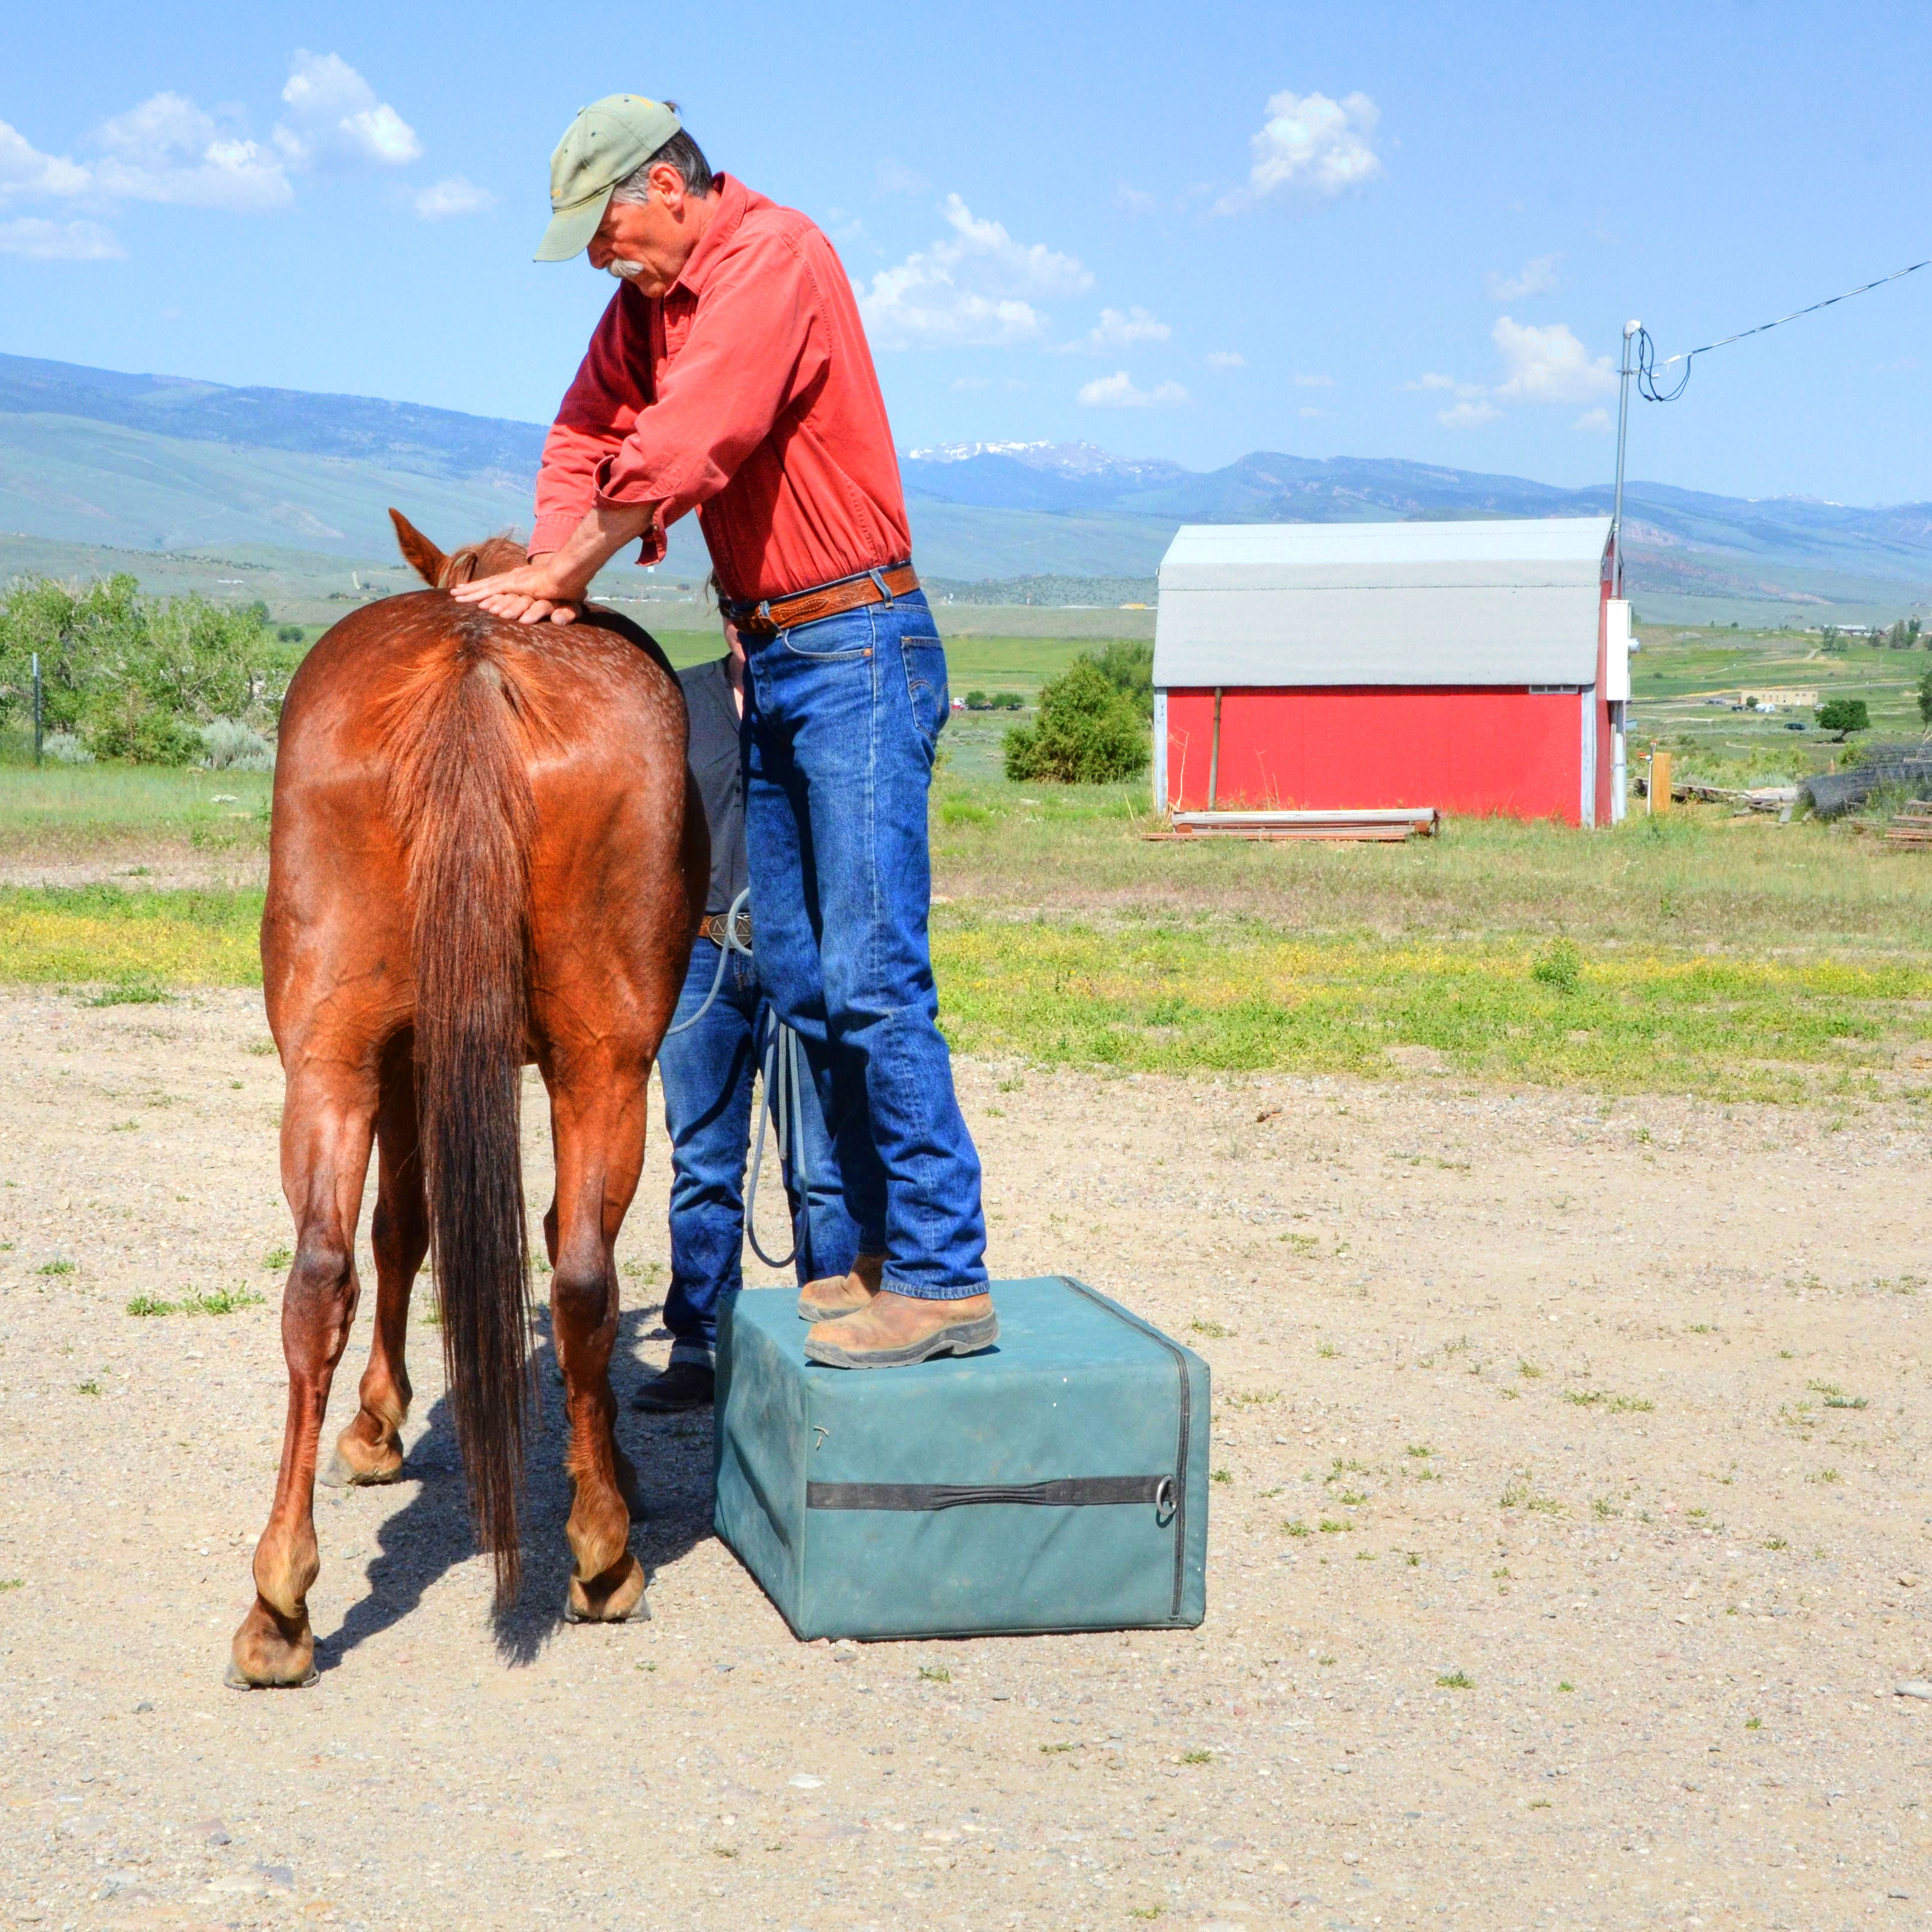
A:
1472,667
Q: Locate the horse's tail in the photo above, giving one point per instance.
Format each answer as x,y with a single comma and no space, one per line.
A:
465,800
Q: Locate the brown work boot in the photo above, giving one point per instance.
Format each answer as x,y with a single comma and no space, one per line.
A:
834,1295
894,1330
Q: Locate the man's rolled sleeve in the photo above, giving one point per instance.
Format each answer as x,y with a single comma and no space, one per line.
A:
752,348
611,386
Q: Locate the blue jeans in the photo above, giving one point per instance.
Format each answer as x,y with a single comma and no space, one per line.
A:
841,720
707,1072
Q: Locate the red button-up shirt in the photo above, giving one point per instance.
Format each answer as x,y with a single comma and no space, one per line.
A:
747,393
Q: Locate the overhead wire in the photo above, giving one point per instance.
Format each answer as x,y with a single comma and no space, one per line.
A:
1648,367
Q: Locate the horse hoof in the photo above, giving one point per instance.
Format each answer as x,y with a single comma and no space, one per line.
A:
342,1473
617,1597
234,1681
271,1652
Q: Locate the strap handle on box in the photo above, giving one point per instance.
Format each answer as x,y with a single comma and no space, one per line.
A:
1068,1493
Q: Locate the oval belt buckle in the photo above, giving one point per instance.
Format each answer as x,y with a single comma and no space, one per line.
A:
1166,1504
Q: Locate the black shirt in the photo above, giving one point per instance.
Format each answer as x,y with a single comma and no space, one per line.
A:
714,764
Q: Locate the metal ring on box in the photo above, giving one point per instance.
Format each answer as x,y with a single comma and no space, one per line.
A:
1165,1503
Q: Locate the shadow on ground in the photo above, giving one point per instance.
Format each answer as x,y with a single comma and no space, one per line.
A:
429,1535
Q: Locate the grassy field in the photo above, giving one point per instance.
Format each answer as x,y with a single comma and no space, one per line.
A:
1685,682
1699,952
127,943
68,811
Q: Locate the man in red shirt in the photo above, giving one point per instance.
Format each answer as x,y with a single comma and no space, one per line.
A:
730,375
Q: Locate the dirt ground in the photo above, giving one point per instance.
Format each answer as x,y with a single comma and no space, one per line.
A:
1566,1561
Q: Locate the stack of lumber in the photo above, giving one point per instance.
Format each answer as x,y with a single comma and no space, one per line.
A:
1911,826
1376,825
1779,798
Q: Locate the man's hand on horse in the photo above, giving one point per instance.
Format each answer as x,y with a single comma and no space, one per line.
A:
550,587
536,594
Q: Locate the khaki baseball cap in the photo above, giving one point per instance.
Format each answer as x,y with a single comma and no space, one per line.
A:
609,139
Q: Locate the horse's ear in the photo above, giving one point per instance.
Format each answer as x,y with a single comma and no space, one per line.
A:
422,556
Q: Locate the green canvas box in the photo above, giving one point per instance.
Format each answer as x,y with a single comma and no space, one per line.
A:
1058,1481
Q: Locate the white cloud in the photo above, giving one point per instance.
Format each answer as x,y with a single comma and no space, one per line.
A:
1226,358
24,169
1315,381
1311,149
168,150
40,241
1467,415
454,195
1598,418
1534,278
1548,365
1432,381
975,287
1117,392
1308,409
893,177
1119,329
165,150
334,118
1136,201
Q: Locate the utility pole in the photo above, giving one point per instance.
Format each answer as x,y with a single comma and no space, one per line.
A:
36,707
1620,707
1623,374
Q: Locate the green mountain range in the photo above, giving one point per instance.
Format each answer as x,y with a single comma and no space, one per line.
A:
184,476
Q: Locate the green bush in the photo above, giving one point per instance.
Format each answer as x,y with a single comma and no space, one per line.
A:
80,634
978,700
1559,964
1128,666
123,720
132,678
1008,701
1843,715
1088,732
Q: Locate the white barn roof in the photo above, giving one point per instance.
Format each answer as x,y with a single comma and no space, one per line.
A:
1512,602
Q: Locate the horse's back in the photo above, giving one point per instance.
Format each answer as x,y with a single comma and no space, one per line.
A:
589,716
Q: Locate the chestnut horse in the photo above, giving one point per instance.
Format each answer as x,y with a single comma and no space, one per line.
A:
483,854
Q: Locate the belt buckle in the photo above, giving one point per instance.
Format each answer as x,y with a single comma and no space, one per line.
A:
742,931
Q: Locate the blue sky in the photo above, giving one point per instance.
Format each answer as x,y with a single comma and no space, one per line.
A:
1361,229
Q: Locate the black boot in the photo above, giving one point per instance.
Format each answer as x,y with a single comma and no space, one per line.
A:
682,1385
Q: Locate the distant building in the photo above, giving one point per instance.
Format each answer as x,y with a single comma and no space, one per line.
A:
1780,699
1480,667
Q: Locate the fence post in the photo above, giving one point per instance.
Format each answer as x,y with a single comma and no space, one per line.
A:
36,707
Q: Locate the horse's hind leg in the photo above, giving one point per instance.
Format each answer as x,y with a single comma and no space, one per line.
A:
326,1130
370,1449
597,1119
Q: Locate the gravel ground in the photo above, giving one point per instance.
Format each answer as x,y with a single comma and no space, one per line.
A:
1564,1570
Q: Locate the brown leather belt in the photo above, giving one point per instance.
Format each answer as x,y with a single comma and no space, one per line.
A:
830,600
713,925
